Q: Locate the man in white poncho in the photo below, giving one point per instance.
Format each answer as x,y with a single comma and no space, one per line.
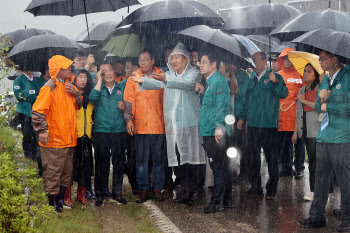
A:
181,114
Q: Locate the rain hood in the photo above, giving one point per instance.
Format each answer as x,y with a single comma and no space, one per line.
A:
58,62
280,60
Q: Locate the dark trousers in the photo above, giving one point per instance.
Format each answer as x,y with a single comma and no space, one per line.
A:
218,161
154,145
189,175
267,139
310,144
286,151
336,156
131,161
30,143
168,183
238,140
83,162
109,145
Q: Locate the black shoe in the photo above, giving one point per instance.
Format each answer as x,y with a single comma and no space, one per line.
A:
108,193
313,222
211,187
299,174
344,227
337,212
285,172
213,207
99,202
119,200
270,195
195,199
228,204
181,197
89,195
253,192
135,192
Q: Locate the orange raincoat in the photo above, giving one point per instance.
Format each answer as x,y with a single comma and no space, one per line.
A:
144,108
294,81
54,109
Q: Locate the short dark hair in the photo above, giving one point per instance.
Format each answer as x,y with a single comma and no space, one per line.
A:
147,51
330,54
78,53
262,55
212,58
132,60
44,68
193,50
105,63
169,48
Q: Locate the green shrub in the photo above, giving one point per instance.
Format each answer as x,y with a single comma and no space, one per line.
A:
21,205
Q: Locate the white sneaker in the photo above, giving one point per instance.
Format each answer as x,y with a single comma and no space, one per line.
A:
309,197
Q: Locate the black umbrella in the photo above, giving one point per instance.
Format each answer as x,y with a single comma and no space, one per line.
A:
98,33
322,19
32,54
174,15
77,7
337,43
230,48
260,19
23,34
262,41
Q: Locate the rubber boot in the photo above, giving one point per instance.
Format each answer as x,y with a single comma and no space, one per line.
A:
53,202
67,197
81,195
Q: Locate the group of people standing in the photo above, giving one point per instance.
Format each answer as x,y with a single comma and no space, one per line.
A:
173,120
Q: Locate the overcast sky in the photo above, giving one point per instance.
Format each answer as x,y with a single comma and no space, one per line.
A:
13,17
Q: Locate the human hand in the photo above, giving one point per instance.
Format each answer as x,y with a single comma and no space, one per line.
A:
272,77
99,76
218,134
324,107
301,98
70,88
324,95
121,105
231,69
130,128
44,138
199,87
137,78
160,77
240,124
90,59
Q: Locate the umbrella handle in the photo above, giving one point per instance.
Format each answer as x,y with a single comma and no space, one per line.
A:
285,110
87,26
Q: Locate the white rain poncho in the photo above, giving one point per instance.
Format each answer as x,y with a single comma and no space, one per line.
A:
181,111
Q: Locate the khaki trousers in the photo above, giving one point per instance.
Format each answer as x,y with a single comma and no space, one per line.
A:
58,168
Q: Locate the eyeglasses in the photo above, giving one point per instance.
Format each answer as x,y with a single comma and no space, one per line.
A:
204,62
145,60
321,59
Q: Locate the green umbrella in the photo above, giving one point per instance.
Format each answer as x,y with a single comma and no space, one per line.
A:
128,45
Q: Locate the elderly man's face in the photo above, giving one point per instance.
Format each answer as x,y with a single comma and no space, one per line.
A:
64,74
